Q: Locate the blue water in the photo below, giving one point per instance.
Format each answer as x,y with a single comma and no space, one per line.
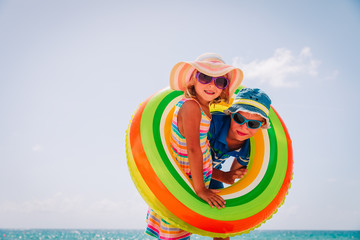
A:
42,234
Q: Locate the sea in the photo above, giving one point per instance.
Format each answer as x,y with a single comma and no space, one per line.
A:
42,234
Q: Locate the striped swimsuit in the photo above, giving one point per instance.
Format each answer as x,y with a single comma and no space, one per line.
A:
158,227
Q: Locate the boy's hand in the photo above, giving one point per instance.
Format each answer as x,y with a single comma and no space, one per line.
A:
210,196
231,176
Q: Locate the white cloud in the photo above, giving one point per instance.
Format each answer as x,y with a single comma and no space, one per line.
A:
282,69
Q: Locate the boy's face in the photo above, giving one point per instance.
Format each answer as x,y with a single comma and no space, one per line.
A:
242,132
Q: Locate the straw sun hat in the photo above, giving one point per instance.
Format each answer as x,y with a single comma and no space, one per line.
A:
210,64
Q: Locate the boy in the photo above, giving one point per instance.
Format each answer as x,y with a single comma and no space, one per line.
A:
230,133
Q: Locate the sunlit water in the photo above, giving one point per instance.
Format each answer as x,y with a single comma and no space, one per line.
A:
42,234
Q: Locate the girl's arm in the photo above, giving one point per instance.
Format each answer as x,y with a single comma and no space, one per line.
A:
189,118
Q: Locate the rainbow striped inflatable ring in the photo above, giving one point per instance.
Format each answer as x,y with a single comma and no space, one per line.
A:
166,189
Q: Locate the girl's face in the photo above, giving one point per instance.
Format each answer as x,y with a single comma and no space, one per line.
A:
207,92
242,132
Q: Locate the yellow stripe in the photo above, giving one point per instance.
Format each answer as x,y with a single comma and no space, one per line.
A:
253,103
254,169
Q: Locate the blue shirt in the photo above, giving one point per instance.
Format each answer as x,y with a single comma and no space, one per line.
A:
219,127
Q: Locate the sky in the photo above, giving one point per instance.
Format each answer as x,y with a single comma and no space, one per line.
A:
72,73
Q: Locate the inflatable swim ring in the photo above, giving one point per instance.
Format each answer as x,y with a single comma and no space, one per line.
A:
166,188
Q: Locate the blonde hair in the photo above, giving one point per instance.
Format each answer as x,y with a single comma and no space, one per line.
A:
191,93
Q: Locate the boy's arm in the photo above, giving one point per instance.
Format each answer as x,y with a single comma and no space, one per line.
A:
218,175
239,169
235,165
229,177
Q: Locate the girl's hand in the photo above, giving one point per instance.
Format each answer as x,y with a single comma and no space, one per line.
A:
210,196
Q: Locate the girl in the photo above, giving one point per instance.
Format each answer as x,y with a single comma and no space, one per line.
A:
207,80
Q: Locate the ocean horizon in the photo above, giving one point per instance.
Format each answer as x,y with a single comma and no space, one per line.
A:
138,234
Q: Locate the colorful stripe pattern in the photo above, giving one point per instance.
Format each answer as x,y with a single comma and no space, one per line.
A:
160,229
167,190
178,144
252,103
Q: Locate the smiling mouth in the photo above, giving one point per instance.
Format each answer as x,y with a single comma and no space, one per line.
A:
209,92
241,134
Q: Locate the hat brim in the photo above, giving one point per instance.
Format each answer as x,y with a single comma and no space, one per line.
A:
249,109
181,73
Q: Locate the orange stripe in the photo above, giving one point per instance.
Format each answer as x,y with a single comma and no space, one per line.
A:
152,222
174,82
253,171
182,75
